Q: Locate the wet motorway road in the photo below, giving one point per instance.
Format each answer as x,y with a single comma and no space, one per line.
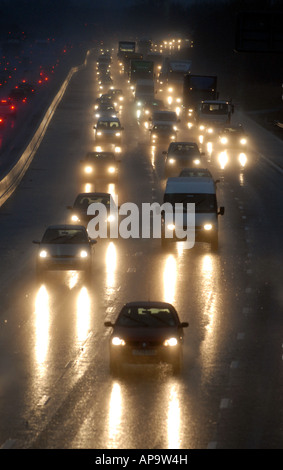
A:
55,387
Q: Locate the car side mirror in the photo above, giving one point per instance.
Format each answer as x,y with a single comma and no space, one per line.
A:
92,241
221,211
217,181
184,324
108,324
164,152
94,127
202,154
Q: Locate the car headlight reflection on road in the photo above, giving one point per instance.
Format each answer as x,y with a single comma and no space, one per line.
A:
171,227
196,161
243,159
171,161
223,140
43,254
171,342
207,227
118,134
83,254
116,341
243,141
111,169
75,218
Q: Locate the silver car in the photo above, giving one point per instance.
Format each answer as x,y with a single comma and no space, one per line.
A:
64,247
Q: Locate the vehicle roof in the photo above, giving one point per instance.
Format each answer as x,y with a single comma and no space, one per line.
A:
190,184
215,101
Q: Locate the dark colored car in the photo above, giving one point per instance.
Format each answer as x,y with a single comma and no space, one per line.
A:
233,137
181,155
84,200
146,332
100,165
162,132
18,95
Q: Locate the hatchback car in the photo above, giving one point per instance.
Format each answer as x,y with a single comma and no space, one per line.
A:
181,155
108,130
64,247
146,332
162,133
233,137
79,209
105,110
100,165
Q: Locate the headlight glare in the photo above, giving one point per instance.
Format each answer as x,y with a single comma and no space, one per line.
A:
171,342
116,341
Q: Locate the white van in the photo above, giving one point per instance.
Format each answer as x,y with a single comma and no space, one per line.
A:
200,191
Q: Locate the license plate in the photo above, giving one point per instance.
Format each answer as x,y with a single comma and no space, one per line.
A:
144,352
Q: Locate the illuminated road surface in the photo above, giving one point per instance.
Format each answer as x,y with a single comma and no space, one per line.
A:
55,387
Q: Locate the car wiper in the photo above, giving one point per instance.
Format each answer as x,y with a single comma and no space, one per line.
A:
157,318
138,320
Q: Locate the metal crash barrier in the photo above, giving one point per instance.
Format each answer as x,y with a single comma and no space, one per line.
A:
10,182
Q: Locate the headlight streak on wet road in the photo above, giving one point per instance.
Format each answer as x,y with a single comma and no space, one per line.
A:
114,417
173,419
83,314
42,324
169,279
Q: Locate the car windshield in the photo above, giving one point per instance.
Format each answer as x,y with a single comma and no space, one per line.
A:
149,317
82,202
108,125
203,202
53,235
181,149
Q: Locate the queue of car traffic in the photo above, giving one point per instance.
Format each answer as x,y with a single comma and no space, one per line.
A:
144,331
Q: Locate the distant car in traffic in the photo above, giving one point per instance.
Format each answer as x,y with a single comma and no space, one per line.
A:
233,137
18,96
181,155
64,247
100,165
108,130
105,110
160,133
146,332
104,98
82,202
117,96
